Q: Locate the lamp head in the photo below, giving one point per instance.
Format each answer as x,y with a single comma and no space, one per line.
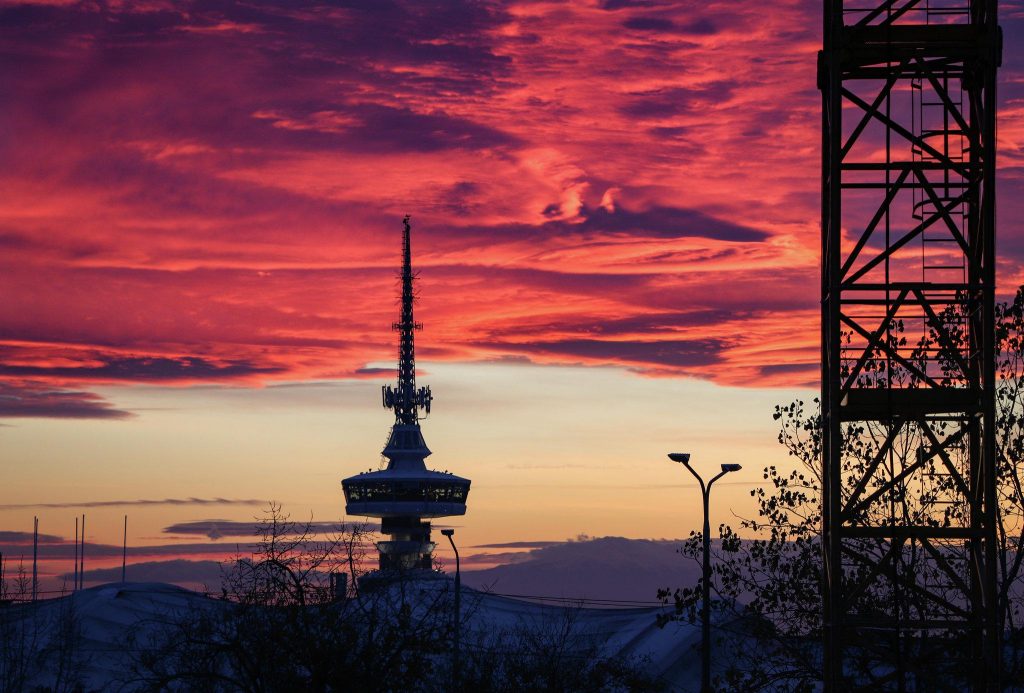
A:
731,467
680,457
448,532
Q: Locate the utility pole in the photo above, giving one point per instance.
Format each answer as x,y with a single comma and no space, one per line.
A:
35,557
124,549
74,582
81,558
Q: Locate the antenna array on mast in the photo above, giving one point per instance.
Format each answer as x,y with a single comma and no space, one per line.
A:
405,398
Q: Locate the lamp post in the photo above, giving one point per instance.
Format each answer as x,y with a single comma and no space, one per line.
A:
458,609
705,607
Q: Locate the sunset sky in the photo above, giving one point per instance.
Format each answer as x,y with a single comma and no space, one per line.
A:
615,210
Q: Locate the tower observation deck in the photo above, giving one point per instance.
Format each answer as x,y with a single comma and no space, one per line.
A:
406,495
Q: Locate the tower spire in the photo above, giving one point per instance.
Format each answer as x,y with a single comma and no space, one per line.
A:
404,398
406,495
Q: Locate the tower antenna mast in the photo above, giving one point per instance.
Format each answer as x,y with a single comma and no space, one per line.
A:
404,398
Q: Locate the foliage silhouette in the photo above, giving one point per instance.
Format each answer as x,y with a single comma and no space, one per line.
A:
774,580
280,627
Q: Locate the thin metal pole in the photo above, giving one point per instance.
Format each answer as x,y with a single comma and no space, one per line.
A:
81,571
35,557
457,626
124,549
74,583
705,668
705,607
458,615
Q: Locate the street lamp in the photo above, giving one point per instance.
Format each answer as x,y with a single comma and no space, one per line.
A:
458,608
683,458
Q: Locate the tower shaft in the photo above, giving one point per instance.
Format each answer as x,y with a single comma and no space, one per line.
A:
908,344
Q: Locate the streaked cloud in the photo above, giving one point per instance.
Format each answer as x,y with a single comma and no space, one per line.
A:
139,501
143,369
178,571
519,545
98,551
35,399
14,538
217,529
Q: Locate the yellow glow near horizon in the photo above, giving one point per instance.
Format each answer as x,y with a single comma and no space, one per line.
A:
553,452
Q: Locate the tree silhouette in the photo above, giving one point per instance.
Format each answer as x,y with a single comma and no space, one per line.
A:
774,579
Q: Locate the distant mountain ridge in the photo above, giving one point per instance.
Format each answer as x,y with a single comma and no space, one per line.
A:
604,568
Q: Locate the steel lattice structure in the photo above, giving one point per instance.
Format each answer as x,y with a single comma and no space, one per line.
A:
908,343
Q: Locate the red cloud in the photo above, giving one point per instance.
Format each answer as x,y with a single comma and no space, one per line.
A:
215,195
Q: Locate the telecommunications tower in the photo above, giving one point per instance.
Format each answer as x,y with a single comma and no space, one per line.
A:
908,344
406,495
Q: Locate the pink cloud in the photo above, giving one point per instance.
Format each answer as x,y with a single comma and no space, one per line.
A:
214,195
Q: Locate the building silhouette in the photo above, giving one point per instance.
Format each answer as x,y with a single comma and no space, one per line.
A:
406,495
